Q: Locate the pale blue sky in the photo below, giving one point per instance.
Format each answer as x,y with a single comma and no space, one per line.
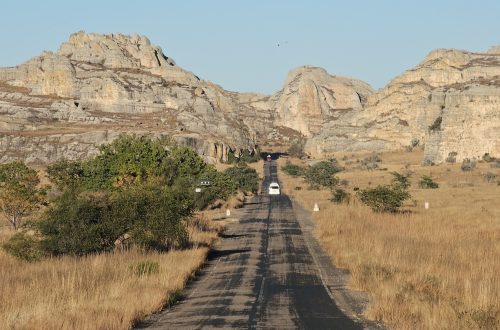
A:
235,43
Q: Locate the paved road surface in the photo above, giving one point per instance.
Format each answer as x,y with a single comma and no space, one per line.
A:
261,276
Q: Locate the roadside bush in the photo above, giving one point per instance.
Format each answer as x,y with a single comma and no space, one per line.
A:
468,165
154,215
339,195
222,186
426,182
384,198
246,178
322,174
292,169
24,247
79,225
85,223
127,160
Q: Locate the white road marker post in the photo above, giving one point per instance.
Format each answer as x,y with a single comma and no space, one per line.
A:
228,212
316,207
426,205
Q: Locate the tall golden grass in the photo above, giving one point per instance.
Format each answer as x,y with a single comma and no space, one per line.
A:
104,291
424,269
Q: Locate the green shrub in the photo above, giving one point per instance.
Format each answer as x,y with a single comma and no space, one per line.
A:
292,169
65,173
402,180
339,196
128,160
23,246
322,174
146,267
84,223
221,187
79,225
246,178
154,215
426,182
384,198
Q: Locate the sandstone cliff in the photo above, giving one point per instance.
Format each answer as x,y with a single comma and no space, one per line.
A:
450,102
94,87
67,103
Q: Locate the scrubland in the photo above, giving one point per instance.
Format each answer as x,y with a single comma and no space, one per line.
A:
435,268
102,291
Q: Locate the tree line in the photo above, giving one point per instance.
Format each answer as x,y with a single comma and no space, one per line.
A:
135,186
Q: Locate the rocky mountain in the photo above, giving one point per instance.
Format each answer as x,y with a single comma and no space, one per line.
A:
95,87
450,103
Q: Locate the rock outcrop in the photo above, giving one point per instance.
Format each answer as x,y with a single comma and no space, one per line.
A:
59,104
311,97
95,87
450,102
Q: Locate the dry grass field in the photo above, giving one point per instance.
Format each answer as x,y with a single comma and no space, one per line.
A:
105,291
424,269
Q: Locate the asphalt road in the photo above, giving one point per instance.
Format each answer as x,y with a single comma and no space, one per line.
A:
262,275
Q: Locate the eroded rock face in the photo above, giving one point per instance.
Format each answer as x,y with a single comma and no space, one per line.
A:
311,97
58,104
95,87
457,89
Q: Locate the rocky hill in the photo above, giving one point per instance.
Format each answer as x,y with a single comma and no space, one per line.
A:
449,103
95,87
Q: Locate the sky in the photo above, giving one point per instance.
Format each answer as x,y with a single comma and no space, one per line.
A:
250,46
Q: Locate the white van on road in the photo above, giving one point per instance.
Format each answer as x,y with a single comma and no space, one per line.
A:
274,188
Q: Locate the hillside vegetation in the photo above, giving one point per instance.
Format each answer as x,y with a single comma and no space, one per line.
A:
105,241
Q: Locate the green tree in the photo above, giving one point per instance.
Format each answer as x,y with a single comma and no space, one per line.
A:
91,222
79,224
127,160
183,163
64,173
19,193
221,187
